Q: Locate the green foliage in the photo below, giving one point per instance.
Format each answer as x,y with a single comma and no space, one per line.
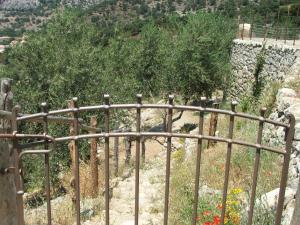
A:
72,56
204,46
260,62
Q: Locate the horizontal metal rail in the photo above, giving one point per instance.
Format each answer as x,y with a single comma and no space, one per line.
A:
153,106
167,135
28,136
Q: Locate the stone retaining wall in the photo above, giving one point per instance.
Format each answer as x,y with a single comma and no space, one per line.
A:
287,101
279,60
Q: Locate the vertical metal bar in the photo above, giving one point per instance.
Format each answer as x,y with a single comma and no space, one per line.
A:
285,168
197,177
47,164
18,170
228,158
106,118
137,159
256,167
168,163
76,157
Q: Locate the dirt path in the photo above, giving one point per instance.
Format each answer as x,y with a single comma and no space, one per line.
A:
152,176
151,197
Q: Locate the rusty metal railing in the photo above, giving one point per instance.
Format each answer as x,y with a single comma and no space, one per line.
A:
45,116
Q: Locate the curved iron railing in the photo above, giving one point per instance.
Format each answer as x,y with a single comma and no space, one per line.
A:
44,117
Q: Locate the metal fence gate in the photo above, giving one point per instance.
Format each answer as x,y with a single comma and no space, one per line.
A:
49,143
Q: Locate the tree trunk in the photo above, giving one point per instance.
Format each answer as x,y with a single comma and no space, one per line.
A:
8,205
213,127
94,162
116,153
128,150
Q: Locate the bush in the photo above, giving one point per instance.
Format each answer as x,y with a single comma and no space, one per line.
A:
71,56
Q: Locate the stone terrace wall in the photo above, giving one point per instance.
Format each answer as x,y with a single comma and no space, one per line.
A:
279,61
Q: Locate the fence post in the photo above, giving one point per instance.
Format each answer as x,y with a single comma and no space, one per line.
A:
8,204
72,149
213,126
93,161
44,107
290,132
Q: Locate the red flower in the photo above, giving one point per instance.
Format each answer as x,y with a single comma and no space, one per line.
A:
217,220
207,223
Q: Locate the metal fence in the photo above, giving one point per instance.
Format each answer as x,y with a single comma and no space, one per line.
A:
267,31
49,145
275,27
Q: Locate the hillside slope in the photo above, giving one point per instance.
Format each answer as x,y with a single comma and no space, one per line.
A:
18,4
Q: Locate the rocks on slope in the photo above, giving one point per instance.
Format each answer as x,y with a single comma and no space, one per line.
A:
151,199
287,102
18,4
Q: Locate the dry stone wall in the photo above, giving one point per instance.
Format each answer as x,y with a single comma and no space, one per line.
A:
287,101
278,60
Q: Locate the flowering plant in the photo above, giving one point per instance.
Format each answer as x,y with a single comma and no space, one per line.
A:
210,213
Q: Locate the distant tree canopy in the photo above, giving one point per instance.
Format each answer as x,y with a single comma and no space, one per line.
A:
261,10
73,57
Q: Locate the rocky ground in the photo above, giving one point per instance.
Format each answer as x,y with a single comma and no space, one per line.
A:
121,203
287,101
151,197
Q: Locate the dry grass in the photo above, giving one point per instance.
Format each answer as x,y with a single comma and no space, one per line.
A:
295,85
213,170
242,160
